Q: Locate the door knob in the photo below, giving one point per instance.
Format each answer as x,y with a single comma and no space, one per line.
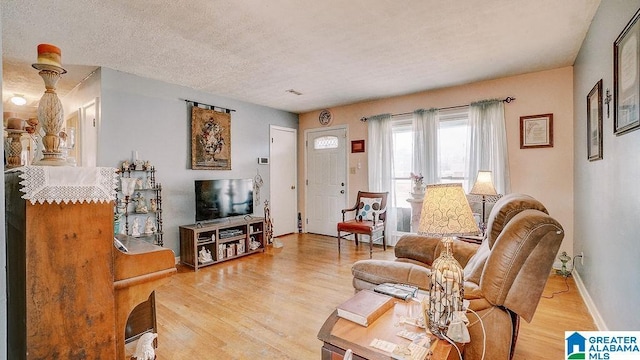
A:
341,191
293,187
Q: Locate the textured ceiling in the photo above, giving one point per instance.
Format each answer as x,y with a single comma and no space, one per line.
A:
334,52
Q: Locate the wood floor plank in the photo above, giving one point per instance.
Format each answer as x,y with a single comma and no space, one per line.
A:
271,305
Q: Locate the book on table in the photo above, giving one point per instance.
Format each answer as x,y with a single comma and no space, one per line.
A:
365,307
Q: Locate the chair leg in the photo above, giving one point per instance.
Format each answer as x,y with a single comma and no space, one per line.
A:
339,238
384,242
356,237
370,246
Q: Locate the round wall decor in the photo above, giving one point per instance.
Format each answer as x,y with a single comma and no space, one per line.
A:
325,117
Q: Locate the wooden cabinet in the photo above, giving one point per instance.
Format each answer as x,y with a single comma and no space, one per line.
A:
61,301
223,241
140,215
70,292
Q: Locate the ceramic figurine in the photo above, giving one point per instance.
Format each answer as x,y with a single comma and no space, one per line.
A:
148,183
153,205
135,228
125,165
141,204
149,228
205,255
144,348
139,183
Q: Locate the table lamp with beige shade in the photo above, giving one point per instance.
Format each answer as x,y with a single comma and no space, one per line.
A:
484,187
445,214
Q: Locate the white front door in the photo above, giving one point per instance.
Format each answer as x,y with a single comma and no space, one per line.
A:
283,180
326,179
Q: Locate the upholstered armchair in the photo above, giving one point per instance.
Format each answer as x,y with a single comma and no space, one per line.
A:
504,276
369,218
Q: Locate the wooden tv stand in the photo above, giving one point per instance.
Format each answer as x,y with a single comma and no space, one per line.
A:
225,240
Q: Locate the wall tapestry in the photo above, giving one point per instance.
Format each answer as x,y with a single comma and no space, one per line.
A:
210,139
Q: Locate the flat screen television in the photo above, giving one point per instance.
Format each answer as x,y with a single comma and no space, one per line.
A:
223,198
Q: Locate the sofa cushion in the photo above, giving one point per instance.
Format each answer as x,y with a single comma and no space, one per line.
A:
417,247
425,249
367,207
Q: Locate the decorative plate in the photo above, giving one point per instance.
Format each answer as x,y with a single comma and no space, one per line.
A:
325,117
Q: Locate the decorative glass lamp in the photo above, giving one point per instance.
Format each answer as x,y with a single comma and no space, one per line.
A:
445,213
564,258
484,187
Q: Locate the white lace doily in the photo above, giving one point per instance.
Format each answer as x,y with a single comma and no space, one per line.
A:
64,184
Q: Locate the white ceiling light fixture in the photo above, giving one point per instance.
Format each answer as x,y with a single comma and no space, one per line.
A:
18,99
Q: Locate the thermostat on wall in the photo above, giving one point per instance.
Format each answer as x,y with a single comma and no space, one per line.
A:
263,160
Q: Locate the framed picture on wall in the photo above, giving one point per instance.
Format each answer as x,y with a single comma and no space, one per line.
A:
626,80
536,131
210,139
594,122
357,146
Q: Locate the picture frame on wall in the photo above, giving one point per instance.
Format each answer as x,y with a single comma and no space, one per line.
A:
357,146
210,139
536,131
626,78
594,122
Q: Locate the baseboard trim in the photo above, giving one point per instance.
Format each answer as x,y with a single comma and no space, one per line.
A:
591,306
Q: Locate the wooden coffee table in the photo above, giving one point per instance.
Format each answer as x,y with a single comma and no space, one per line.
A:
339,335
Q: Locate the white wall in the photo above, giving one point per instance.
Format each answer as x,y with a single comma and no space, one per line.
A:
545,173
607,195
152,118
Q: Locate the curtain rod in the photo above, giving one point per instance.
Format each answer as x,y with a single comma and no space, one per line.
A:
211,107
508,99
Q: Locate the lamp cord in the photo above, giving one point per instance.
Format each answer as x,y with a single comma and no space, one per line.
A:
566,280
454,345
484,337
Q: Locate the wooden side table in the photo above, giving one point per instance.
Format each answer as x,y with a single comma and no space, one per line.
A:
338,335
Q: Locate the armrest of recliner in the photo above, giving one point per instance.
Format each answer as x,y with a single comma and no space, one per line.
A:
368,273
426,249
417,247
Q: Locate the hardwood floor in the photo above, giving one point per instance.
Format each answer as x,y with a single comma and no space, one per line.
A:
271,305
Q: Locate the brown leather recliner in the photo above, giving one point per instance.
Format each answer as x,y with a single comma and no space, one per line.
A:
504,276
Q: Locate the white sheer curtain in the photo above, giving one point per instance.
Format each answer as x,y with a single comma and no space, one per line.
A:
425,144
380,162
488,144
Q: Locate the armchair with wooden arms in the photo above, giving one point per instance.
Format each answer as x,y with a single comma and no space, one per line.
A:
369,219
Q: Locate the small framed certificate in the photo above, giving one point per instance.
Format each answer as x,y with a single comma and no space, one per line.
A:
536,131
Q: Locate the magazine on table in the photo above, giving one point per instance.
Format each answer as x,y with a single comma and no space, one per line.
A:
400,291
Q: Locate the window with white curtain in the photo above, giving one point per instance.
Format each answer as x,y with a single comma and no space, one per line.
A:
453,133
453,126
